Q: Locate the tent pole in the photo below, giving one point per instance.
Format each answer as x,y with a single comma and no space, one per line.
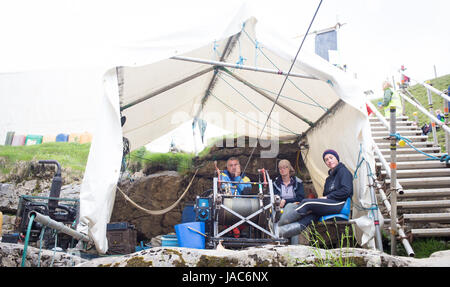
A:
262,93
168,87
225,52
242,67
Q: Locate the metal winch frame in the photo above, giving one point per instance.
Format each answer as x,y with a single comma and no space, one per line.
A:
267,202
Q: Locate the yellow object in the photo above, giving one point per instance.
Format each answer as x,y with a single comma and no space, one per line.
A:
85,138
401,143
415,114
49,139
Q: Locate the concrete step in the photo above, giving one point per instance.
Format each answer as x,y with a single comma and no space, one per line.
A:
404,150
412,193
418,145
419,173
443,203
399,118
412,138
424,182
426,217
430,232
426,164
411,157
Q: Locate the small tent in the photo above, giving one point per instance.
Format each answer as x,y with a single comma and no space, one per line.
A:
232,82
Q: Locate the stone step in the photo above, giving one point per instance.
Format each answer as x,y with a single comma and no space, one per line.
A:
404,150
410,193
402,133
424,182
430,232
418,145
424,204
412,138
426,217
418,173
411,157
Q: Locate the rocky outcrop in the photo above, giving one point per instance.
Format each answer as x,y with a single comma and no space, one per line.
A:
266,256
11,256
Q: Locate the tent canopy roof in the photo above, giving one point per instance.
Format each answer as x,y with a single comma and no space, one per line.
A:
158,97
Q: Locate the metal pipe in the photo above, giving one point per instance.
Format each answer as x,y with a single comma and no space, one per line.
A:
376,220
405,242
47,221
433,125
166,88
424,111
393,184
431,88
242,67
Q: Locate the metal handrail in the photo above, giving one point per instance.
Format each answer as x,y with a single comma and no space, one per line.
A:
428,87
424,111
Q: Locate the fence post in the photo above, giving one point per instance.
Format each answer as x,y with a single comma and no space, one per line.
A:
393,184
433,124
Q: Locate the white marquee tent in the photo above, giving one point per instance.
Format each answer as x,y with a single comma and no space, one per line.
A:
157,86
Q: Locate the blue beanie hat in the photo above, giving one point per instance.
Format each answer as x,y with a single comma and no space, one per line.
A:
330,151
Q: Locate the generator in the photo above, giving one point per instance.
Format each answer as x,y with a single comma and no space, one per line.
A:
253,214
64,210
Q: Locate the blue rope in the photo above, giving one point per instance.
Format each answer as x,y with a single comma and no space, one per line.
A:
444,158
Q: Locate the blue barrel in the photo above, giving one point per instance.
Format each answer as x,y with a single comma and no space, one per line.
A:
62,138
191,235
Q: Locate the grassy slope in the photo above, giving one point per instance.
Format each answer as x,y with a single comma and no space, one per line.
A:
420,94
69,155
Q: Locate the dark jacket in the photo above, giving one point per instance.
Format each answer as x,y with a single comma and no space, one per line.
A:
298,189
339,183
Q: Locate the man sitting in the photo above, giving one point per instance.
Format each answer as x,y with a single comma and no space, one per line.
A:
233,173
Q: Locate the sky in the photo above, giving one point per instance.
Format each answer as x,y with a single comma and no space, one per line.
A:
378,36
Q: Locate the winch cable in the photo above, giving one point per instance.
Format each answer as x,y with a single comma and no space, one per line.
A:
282,86
162,211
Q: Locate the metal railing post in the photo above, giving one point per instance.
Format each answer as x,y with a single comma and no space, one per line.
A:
433,124
447,140
393,184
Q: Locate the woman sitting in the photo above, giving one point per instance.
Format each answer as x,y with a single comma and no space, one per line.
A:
286,185
338,187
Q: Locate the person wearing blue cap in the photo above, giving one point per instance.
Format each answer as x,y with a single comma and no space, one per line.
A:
338,187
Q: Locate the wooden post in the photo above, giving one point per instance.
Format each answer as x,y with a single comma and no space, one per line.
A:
393,184
433,124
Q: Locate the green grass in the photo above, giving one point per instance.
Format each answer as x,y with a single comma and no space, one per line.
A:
423,247
143,159
420,93
69,155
